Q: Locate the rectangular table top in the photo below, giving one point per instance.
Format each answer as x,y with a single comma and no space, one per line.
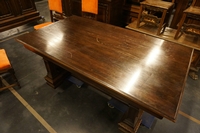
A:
138,69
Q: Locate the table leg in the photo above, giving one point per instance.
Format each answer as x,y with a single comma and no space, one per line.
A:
131,120
55,74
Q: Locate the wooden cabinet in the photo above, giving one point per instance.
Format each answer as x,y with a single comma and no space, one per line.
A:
109,11
131,10
15,13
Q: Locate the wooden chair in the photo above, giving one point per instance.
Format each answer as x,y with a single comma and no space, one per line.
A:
192,13
90,9
6,69
56,13
156,13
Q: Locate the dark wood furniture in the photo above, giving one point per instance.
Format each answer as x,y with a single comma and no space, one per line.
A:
142,71
131,10
156,13
14,13
192,13
109,11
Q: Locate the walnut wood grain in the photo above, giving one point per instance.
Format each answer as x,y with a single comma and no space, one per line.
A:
140,70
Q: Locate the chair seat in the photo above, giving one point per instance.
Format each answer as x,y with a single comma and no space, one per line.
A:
36,27
158,4
193,9
5,63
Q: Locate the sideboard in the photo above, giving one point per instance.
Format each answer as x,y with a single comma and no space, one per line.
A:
14,13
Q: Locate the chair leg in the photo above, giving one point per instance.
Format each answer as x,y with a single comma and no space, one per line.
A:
180,26
161,23
12,72
139,16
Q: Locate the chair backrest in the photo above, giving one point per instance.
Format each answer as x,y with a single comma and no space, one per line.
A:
90,9
90,6
55,5
56,11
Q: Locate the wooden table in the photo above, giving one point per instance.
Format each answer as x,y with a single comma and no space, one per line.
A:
146,73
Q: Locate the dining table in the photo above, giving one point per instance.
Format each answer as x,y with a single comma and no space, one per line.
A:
146,73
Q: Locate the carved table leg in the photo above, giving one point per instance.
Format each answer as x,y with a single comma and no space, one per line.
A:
131,120
55,74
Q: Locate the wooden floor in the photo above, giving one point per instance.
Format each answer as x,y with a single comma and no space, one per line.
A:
187,40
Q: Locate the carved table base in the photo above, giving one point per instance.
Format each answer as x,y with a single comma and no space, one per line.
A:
131,120
55,74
